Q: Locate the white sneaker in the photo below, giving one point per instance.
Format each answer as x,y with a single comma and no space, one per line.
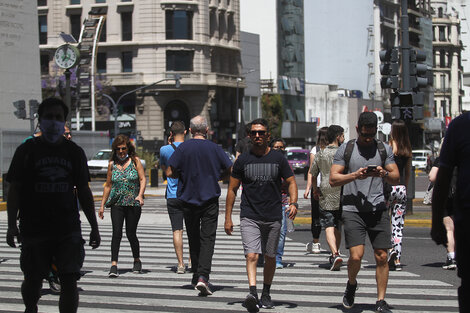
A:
308,247
316,248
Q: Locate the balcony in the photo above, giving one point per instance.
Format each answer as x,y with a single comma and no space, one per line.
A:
123,79
212,79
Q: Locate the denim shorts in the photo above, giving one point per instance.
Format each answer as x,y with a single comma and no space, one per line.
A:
259,236
65,252
375,224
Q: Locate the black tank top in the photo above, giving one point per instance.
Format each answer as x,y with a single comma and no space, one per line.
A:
401,161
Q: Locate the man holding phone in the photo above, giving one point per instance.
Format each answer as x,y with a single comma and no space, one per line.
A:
363,203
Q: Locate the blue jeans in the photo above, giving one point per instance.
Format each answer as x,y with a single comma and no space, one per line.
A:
282,236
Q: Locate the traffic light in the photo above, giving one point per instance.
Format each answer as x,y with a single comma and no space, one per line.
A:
33,108
389,68
418,71
20,109
407,105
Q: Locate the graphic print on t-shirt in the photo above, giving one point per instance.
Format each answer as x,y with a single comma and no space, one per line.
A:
52,175
262,173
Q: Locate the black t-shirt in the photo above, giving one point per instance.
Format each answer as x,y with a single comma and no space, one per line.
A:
261,180
48,175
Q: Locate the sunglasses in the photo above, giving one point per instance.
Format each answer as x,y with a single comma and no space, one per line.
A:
120,149
367,135
278,147
259,132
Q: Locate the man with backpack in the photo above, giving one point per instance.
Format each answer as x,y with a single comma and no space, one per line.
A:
174,206
362,166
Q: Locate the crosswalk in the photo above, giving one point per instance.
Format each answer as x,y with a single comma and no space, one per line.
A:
305,285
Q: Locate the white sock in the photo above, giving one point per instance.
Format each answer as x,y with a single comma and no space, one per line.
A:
451,255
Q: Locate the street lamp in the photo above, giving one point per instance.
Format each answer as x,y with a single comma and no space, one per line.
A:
240,107
177,79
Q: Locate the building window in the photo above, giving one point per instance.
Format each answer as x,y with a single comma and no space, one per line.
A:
179,60
440,12
126,26
42,3
222,25
442,33
101,62
212,23
100,1
103,32
42,19
126,62
442,58
44,59
75,25
179,24
74,1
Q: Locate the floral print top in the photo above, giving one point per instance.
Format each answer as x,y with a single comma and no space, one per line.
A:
125,186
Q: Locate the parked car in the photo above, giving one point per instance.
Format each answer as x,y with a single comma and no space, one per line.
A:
298,160
98,164
419,162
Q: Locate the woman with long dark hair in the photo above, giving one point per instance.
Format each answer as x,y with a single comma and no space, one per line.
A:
124,193
400,143
322,142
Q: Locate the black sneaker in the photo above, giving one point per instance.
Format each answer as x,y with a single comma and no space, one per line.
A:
113,272
137,267
450,264
349,294
203,287
336,262
266,302
382,307
398,267
251,303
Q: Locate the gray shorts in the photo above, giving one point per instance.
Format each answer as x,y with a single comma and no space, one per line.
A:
330,218
375,224
260,237
175,211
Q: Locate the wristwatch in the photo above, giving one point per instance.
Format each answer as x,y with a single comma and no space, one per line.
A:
294,204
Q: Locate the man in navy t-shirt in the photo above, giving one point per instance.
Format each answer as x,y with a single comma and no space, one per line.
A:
260,171
199,164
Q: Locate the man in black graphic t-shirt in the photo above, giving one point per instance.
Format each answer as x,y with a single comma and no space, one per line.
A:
260,171
43,174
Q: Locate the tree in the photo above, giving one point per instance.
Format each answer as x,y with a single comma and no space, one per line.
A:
273,112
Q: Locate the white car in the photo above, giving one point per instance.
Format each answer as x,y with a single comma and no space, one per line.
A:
98,164
419,162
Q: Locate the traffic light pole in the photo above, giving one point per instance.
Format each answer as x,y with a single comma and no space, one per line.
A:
405,46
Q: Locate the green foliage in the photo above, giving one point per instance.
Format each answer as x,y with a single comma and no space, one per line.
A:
273,112
148,156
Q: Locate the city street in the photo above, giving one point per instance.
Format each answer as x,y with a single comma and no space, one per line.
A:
304,285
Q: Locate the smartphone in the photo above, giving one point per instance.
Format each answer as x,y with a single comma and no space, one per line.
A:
371,168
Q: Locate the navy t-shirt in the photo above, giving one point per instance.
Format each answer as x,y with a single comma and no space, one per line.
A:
261,180
199,164
48,175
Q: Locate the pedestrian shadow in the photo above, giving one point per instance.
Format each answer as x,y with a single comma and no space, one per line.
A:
358,307
435,264
3,260
277,304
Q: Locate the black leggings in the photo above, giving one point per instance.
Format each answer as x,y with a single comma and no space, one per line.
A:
132,216
315,226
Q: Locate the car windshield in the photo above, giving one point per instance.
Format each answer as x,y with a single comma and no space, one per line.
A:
419,158
102,155
297,156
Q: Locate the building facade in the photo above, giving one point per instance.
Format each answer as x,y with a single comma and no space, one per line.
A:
146,41
448,71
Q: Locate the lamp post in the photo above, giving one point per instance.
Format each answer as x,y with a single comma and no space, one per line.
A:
240,107
177,79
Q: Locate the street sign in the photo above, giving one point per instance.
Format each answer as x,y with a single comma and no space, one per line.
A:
385,128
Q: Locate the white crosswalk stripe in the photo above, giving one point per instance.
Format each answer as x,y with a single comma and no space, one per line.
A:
306,285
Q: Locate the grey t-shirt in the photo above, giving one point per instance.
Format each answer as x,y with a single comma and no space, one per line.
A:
363,195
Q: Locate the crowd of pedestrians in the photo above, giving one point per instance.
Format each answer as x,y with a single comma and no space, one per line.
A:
358,187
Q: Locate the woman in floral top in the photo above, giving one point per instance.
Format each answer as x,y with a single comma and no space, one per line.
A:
124,193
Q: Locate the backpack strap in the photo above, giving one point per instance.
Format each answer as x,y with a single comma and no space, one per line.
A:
173,145
382,151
